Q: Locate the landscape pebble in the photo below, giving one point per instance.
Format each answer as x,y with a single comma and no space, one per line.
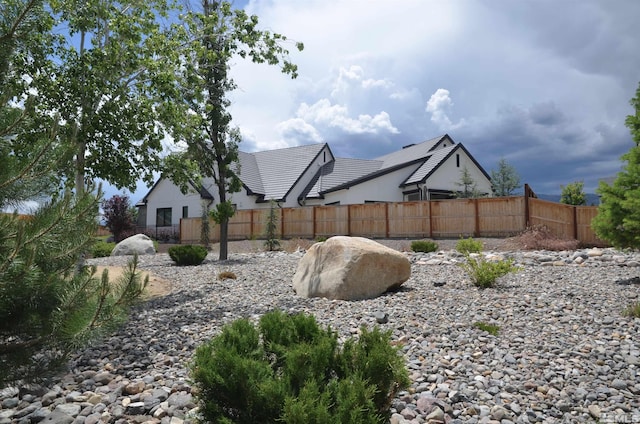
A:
564,351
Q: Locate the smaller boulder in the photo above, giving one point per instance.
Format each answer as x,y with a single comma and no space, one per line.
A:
140,244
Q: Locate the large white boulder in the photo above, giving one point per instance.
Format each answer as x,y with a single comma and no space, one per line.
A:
350,268
140,244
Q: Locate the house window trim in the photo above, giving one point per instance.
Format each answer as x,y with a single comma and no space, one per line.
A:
158,212
407,194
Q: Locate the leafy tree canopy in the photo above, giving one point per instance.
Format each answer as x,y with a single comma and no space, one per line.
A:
212,37
573,194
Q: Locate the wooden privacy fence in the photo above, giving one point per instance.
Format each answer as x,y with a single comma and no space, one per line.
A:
487,217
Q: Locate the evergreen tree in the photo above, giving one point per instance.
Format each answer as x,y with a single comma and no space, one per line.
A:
618,219
47,306
573,194
468,185
505,180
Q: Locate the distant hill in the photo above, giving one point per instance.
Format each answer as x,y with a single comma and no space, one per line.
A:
592,198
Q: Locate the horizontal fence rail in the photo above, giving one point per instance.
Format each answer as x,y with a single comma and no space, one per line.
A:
486,217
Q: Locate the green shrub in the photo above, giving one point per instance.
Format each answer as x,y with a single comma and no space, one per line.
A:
632,310
101,249
469,245
489,328
187,254
321,239
425,246
484,273
287,369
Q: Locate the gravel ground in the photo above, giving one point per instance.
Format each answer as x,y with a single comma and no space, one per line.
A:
564,352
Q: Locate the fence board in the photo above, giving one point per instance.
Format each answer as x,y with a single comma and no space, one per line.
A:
332,221
555,216
368,220
584,215
453,218
501,216
408,219
491,217
239,225
190,230
297,222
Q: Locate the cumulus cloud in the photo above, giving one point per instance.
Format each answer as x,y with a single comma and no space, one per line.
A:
295,131
323,113
353,79
439,106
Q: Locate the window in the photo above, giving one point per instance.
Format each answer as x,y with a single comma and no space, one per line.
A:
185,211
412,197
163,217
458,160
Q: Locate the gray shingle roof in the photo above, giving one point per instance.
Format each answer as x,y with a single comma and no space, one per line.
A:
249,173
278,170
339,172
430,165
411,152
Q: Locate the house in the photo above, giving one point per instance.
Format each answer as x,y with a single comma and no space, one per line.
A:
312,175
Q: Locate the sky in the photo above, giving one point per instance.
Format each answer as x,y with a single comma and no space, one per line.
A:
544,84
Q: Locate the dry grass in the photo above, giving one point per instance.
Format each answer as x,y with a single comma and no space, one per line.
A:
539,237
227,275
295,244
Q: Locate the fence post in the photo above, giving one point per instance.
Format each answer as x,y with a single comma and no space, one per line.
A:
386,219
575,222
313,231
476,231
282,222
430,221
348,220
527,189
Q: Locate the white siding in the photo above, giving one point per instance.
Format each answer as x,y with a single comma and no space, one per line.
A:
448,174
168,195
385,188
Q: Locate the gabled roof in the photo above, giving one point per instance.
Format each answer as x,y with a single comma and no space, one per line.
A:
430,165
250,173
272,174
339,172
203,192
409,155
434,161
413,151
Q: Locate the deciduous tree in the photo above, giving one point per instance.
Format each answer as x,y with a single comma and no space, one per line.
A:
112,87
215,35
118,216
618,219
573,194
